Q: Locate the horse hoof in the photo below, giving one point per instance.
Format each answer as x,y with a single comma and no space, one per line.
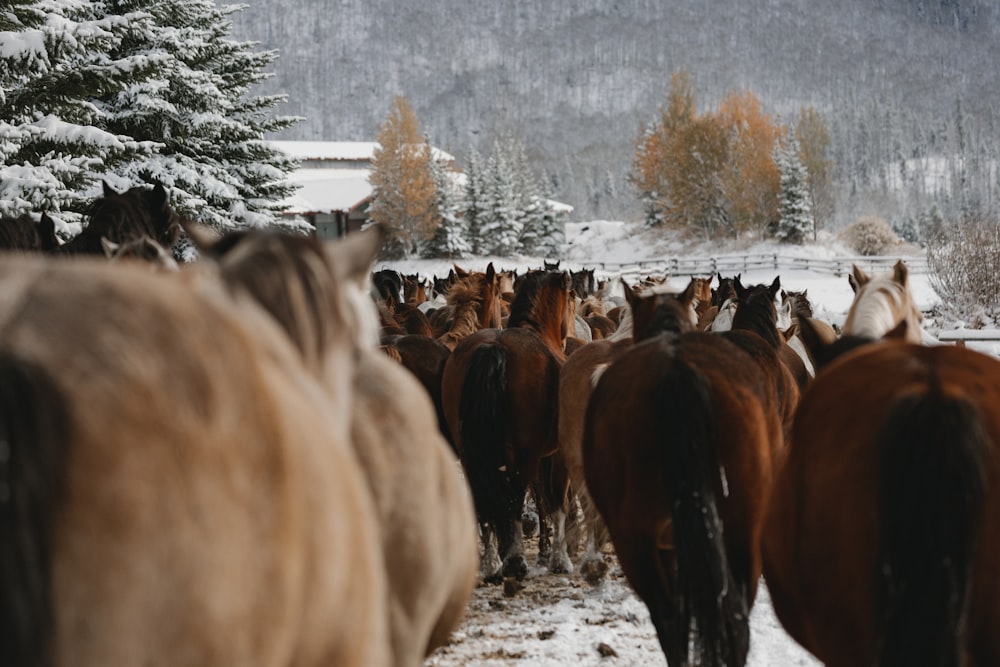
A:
594,571
516,567
529,523
511,586
560,564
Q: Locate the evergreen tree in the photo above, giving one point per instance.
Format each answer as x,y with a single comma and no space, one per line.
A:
214,158
796,221
56,62
501,223
134,92
450,239
403,192
475,200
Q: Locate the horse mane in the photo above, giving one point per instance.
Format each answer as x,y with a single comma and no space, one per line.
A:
124,216
23,233
655,311
143,249
289,277
535,305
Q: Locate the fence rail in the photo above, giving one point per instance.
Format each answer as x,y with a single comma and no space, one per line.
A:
702,266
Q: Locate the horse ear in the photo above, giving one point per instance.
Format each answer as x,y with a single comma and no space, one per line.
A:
858,278
491,273
109,247
630,295
775,286
353,255
203,238
47,232
158,197
900,272
108,190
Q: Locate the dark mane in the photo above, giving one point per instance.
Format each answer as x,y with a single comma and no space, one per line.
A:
23,233
756,312
121,217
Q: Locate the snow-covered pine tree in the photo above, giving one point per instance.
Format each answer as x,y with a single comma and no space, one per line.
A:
796,221
501,223
475,201
214,160
131,92
450,239
57,59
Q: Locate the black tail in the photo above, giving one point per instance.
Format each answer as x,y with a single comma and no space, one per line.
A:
33,431
482,415
706,597
933,452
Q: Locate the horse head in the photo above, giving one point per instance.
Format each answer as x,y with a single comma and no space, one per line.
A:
881,303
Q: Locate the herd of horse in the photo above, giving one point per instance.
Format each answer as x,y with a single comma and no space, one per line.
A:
275,455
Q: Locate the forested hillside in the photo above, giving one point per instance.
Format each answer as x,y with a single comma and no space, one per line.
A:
896,80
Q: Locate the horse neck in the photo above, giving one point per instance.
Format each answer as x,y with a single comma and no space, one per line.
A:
548,325
464,321
758,319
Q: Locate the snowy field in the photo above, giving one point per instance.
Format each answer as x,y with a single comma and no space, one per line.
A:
559,619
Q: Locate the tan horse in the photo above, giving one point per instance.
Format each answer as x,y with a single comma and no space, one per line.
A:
178,490
474,303
424,505
881,303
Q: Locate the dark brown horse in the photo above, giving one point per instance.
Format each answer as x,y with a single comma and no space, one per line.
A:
681,438
881,541
120,217
177,488
500,394
651,314
424,507
24,234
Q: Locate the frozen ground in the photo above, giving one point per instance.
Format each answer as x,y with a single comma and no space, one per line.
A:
559,619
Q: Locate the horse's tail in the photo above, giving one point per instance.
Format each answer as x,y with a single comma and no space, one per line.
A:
932,484
482,414
33,431
706,596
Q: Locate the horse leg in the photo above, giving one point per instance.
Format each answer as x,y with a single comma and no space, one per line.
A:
551,496
510,537
490,565
592,567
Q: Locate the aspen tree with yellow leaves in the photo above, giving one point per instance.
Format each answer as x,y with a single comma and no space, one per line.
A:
404,196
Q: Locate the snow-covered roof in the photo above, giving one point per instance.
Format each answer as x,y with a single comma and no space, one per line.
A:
341,150
328,190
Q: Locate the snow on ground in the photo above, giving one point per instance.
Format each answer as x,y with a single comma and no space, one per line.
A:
559,619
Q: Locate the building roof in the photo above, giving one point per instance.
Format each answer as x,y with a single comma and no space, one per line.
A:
341,150
328,190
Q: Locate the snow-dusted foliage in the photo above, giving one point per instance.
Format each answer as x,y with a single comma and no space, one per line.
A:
133,92
796,222
451,238
511,212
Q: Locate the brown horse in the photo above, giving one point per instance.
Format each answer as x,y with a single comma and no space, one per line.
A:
120,217
474,303
500,395
424,506
681,437
143,249
178,490
881,541
654,313
24,234
881,303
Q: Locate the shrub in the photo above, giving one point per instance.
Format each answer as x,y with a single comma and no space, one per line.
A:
870,235
965,263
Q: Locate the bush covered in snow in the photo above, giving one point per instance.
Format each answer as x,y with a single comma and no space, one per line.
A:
965,263
870,235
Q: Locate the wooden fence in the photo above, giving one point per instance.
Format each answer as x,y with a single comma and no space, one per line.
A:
729,264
